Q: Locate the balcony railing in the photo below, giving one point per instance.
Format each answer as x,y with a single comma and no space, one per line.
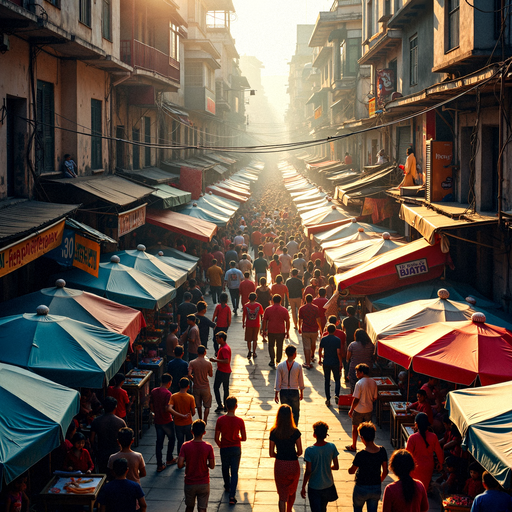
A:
143,56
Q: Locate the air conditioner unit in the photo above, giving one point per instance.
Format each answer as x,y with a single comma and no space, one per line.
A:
439,170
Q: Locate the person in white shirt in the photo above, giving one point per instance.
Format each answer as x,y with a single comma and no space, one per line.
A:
239,238
286,264
233,277
289,386
244,264
365,393
293,246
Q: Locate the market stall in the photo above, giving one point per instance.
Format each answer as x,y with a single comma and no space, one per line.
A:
36,413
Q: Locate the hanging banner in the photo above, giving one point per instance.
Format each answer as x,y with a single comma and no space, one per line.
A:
86,255
385,84
17,255
371,107
131,220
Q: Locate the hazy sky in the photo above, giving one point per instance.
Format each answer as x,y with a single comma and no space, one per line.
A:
267,29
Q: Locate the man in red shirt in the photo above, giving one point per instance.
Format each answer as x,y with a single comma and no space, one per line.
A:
223,372
229,432
256,239
318,255
276,323
309,325
124,403
320,302
219,256
246,287
196,457
252,312
268,248
280,289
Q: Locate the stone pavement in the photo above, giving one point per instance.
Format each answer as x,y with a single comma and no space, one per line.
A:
252,382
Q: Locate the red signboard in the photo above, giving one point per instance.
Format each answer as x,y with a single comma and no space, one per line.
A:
191,180
130,220
210,105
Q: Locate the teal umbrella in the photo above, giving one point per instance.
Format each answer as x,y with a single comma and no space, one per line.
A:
175,258
155,267
72,353
122,284
35,415
198,212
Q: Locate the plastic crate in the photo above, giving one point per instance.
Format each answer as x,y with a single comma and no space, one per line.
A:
345,401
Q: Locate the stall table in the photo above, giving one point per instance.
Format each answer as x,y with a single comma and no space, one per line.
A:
385,383
54,493
156,365
407,430
137,385
384,397
398,417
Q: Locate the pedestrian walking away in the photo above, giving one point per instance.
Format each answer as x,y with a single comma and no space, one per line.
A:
136,464
177,368
289,385
198,371
276,325
215,276
286,448
295,287
184,407
229,434
197,457
222,319
232,279
252,313
204,324
159,403
330,356
309,325
321,460
223,372
365,393
371,468
359,351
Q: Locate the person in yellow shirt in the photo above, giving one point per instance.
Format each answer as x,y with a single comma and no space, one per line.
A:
411,173
214,275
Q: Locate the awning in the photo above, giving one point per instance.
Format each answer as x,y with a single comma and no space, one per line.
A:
20,218
167,197
220,169
183,224
222,192
370,184
111,189
91,232
149,175
413,263
203,211
428,222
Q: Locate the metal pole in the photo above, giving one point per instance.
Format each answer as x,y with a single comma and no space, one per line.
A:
502,99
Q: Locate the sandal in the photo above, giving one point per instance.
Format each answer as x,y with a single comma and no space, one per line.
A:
350,448
172,462
232,500
159,469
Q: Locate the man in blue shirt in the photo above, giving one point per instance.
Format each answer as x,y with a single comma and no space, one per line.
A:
177,368
330,350
121,494
233,277
493,499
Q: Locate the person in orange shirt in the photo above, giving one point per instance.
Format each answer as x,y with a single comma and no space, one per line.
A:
275,268
280,289
184,407
246,287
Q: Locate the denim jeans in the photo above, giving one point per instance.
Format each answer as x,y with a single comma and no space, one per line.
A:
291,397
183,433
230,460
327,378
235,297
166,429
221,378
369,494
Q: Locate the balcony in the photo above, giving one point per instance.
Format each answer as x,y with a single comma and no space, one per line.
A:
147,58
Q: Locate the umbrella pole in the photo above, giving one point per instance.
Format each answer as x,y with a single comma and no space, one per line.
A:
408,382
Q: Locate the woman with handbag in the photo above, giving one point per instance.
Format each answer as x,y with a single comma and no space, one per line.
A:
321,460
286,448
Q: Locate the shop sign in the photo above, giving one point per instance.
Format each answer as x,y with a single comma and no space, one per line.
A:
77,251
86,255
131,220
371,107
30,248
385,83
412,268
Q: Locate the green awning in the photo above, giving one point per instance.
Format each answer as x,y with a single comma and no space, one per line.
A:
167,197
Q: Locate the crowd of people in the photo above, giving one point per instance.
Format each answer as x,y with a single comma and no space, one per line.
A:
265,270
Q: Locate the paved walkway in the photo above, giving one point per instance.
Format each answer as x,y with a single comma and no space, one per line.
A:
252,382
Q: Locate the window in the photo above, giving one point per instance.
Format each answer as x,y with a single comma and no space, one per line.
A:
147,140
45,135
217,19
84,15
174,42
194,74
453,24
106,20
96,131
413,60
369,19
56,3
136,148
350,54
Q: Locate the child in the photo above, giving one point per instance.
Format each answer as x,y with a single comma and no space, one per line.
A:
474,485
422,405
196,457
321,459
123,402
16,495
450,482
121,493
136,465
78,458
229,432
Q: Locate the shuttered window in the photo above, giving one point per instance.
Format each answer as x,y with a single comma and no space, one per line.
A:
45,133
96,153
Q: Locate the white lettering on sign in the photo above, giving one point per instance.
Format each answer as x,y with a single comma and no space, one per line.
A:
412,268
443,157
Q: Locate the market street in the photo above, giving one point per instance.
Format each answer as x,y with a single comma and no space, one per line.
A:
253,385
